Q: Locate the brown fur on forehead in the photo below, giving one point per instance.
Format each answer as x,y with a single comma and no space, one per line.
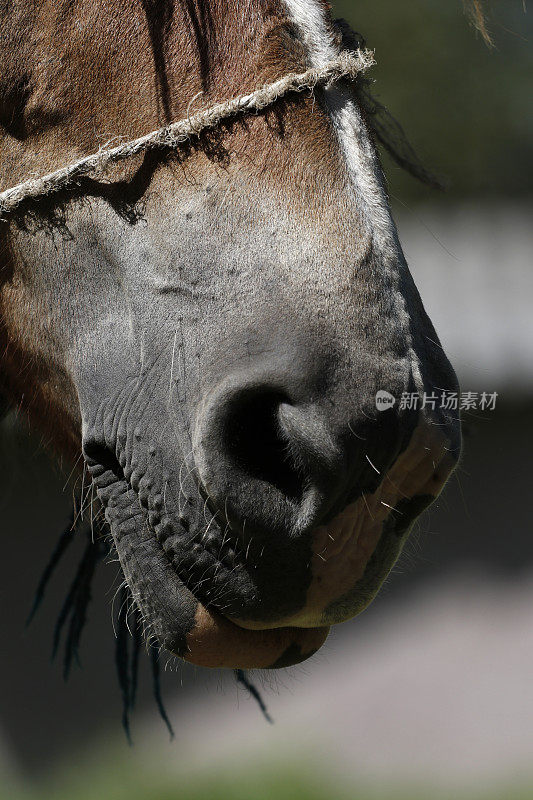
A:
120,69
128,63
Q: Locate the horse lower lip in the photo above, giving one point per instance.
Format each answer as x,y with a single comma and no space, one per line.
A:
215,641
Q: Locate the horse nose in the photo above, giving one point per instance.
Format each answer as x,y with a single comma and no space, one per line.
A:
264,458
274,462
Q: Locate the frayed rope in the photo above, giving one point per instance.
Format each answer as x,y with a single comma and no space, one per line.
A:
347,65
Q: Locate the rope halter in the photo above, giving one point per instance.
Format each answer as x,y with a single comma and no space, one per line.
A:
348,65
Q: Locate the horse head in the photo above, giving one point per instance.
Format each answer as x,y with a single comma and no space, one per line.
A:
225,331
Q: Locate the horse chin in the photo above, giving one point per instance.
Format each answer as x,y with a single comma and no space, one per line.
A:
216,641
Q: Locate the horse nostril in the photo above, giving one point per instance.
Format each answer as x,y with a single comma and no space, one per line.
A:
100,458
255,439
267,461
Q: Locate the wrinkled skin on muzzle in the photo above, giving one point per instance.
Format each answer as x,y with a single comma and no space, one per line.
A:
215,343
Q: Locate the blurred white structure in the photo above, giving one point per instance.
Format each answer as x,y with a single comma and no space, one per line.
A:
473,266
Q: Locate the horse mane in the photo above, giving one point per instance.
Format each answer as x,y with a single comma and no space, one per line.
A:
384,126
476,12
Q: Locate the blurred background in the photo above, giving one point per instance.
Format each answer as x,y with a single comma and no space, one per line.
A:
430,692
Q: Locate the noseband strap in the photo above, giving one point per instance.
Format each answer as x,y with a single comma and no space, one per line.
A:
348,65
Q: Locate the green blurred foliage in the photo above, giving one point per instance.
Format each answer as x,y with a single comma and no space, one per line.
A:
466,108
274,781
